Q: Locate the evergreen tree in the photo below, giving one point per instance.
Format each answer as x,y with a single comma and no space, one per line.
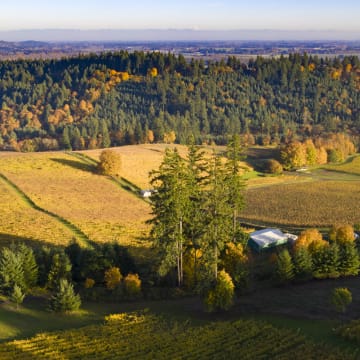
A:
60,269
17,296
11,270
303,265
233,181
326,261
170,204
349,262
284,267
217,215
29,265
65,139
65,299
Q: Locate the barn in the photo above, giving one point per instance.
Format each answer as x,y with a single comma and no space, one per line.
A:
268,238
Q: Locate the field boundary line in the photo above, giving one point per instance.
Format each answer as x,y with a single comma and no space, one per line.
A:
79,234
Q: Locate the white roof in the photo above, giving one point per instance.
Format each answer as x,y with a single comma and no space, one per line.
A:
268,236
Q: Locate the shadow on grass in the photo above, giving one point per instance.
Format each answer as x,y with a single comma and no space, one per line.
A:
8,239
78,165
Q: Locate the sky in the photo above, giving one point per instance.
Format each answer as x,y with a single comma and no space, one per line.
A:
199,15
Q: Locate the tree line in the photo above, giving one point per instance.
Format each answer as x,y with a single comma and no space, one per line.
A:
98,271
97,101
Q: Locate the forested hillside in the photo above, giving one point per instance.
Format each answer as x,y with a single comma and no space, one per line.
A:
121,98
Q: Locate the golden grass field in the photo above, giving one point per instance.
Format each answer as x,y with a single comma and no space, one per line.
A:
19,220
63,185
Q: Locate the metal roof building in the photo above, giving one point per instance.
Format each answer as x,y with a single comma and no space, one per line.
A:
267,238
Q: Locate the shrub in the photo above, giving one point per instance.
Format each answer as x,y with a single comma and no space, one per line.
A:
112,278
110,163
341,298
272,166
221,295
89,283
132,286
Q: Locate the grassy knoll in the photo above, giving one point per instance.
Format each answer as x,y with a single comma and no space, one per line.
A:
67,187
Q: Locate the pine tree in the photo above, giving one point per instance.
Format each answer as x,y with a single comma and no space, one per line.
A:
303,264
284,267
233,181
170,204
11,270
29,265
60,269
17,296
349,261
65,299
65,139
326,261
217,215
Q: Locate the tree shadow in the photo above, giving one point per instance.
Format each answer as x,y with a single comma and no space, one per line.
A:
8,239
75,164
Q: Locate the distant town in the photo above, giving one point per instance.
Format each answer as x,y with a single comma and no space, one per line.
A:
208,50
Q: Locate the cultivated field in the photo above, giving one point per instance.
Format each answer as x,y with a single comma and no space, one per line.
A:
145,336
315,203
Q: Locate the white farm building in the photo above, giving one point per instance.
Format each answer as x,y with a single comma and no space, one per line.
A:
267,238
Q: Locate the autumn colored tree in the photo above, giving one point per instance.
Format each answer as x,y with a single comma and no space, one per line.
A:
110,163
112,278
293,155
342,234
235,262
169,137
310,239
220,296
132,286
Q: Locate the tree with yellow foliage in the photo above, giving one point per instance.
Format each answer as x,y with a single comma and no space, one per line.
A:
169,137
110,163
112,278
342,234
310,239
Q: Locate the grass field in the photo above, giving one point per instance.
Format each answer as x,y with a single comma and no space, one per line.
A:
351,166
19,220
67,187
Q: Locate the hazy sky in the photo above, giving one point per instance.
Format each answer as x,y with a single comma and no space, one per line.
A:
182,14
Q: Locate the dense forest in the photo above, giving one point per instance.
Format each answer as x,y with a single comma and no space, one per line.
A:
121,98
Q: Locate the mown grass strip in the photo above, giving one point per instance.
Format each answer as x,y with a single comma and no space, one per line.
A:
84,240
